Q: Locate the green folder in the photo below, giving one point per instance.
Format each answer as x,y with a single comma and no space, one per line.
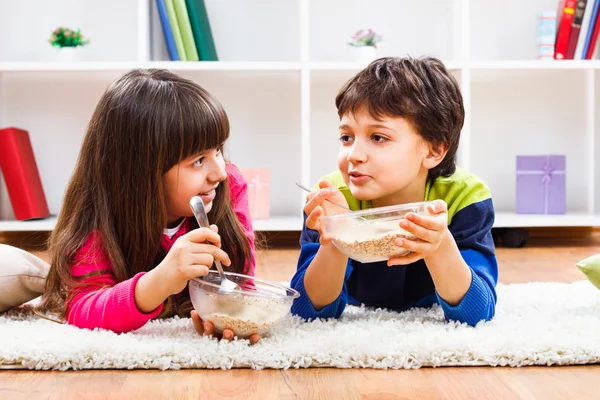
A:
186,30
175,29
201,29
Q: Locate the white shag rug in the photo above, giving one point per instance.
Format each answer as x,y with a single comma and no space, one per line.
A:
535,324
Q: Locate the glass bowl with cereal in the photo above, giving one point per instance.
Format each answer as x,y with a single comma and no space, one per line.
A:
368,235
255,308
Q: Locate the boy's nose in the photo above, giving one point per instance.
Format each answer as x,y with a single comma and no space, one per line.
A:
357,154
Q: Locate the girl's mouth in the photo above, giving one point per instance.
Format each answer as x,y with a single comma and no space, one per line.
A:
208,196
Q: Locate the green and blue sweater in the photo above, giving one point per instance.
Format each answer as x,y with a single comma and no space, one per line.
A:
470,220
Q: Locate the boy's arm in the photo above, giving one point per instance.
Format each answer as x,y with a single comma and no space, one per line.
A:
464,269
320,279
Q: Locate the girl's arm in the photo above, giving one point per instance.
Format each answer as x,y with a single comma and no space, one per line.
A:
98,301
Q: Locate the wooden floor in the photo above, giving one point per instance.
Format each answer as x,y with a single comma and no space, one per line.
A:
544,259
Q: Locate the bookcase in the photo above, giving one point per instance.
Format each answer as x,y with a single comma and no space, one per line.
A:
281,65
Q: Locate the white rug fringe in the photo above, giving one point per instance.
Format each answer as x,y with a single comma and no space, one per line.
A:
535,324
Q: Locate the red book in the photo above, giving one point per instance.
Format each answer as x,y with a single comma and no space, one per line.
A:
565,16
576,29
21,175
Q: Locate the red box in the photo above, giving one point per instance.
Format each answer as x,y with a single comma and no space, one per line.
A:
21,175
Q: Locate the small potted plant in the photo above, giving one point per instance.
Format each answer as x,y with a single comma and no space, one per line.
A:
364,43
67,40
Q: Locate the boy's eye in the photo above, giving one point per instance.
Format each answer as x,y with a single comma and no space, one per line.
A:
379,138
345,138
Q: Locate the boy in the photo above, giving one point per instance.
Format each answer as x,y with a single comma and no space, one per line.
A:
400,123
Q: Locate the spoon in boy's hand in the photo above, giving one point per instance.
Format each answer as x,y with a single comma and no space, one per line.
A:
227,286
332,202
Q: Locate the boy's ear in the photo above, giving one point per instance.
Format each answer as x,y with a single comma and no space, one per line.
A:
434,156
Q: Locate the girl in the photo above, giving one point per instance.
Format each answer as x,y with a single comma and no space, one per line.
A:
126,243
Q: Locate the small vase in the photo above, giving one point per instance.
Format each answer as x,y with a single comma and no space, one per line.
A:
364,54
66,54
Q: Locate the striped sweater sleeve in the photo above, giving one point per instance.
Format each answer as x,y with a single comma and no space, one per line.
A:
302,306
471,229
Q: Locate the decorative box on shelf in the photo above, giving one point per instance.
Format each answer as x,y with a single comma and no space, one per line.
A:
541,182
259,191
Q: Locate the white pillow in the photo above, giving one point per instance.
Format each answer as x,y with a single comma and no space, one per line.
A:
22,276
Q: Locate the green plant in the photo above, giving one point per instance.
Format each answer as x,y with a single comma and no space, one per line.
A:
365,37
65,37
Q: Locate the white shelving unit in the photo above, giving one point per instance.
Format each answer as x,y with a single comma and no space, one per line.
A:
282,65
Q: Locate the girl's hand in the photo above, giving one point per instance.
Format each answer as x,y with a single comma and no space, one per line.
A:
207,328
191,256
431,231
316,206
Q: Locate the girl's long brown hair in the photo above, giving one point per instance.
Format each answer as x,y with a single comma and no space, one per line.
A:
145,123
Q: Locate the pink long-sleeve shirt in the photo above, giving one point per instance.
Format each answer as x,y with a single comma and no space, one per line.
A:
102,302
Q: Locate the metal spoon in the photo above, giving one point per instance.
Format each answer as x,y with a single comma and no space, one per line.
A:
227,286
363,219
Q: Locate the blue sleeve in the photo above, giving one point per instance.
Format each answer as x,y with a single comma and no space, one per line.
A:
302,306
471,228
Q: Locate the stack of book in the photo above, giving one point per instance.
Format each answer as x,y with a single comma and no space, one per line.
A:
187,30
577,29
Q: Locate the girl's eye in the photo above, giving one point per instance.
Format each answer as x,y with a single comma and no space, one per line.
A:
379,139
198,162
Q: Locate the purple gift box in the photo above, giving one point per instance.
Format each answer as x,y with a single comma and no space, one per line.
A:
541,184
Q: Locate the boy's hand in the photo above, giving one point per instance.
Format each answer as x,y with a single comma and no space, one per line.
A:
207,328
431,231
316,206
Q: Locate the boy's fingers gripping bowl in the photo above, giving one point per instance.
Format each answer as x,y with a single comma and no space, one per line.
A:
372,241
259,305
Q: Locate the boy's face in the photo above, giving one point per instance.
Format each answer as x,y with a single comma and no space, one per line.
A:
384,161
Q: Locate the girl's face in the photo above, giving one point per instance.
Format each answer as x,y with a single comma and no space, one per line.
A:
384,161
196,176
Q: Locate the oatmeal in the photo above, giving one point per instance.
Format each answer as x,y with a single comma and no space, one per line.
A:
246,315
368,245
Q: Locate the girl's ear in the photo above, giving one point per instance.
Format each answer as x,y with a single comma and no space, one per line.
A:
434,156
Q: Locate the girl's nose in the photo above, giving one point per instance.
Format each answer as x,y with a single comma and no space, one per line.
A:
218,172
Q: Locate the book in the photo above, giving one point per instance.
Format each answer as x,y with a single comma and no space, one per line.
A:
588,50
575,29
545,35
565,19
202,31
175,28
21,175
166,26
186,30
585,26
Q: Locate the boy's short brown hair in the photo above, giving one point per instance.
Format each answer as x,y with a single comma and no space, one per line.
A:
418,89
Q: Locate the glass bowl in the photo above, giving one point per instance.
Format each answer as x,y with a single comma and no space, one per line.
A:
368,235
255,308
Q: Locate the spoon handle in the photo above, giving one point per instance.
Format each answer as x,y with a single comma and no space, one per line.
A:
332,202
197,206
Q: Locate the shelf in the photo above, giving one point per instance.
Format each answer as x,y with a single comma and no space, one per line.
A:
534,64
47,224
89,66
513,220
99,66
278,224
